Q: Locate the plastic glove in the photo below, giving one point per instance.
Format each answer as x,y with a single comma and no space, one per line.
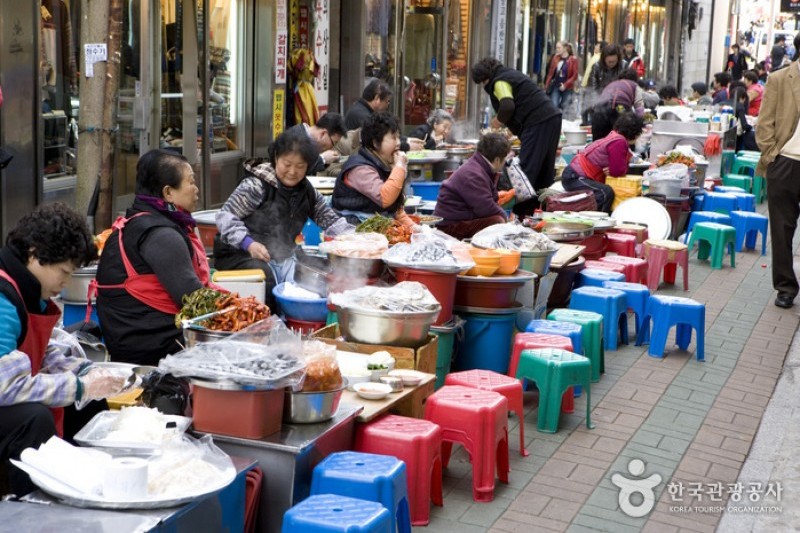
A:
400,160
99,383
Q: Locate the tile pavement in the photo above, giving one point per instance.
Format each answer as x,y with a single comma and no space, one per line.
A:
691,423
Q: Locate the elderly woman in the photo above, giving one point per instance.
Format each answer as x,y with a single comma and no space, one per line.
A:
436,130
372,180
259,222
467,200
608,156
150,262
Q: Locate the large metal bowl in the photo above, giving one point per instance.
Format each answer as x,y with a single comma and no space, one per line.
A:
310,407
311,273
387,328
537,262
195,335
77,288
356,267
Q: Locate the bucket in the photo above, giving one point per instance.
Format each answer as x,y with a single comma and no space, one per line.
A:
444,356
487,342
442,286
427,190
305,327
311,233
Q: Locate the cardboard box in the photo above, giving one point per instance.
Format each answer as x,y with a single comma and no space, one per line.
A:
422,358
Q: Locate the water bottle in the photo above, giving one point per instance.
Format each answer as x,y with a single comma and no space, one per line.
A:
485,117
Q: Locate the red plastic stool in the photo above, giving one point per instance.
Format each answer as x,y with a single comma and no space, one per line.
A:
478,419
666,255
637,230
635,268
532,341
621,244
600,265
511,388
416,442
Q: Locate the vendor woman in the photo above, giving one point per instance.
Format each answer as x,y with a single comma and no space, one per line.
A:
150,262
37,377
608,156
372,180
259,222
436,129
467,200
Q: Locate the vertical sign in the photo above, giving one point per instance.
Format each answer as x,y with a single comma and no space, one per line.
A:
294,23
278,105
499,19
321,53
303,26
281,41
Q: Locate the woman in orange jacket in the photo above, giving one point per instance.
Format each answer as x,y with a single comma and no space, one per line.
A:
562,74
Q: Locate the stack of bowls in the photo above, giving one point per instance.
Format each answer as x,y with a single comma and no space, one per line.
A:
509,261
487,262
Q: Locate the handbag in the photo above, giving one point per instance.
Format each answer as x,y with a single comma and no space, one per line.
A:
523,188
582,200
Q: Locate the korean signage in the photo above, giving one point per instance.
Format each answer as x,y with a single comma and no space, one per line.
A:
281,41
321,40
499,19
278,105
303,27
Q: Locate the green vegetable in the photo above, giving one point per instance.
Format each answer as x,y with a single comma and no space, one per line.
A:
375,224
200,302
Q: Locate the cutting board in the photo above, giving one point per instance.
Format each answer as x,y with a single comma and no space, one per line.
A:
566,254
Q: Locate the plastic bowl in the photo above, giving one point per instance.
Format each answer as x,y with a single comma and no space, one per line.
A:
483,270
509,262
308,310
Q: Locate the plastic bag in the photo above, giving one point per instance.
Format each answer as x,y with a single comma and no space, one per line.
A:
513,237
360,245
322,370
187,465
428,250
340,227
405,297
165,392
522,185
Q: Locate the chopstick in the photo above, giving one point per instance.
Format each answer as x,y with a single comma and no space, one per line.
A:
202,318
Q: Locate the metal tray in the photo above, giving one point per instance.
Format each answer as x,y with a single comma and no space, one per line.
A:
94,434
520,276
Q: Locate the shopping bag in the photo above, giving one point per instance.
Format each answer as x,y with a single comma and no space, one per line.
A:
520,182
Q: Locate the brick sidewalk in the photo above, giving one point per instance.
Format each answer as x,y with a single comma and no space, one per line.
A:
690,422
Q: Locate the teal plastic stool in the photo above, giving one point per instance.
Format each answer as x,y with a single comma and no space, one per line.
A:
713,239
742,181
746,164
592,335
760,188
751,154
554,371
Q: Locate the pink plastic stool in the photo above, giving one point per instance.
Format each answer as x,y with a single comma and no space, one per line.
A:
532,341
511,388
666,255
637,230
416,442
600,265
621,244
478,419
635,268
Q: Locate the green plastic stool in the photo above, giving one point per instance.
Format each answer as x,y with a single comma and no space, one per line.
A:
750,154
554,371
712,239
591,335
759,188
745,164
742,181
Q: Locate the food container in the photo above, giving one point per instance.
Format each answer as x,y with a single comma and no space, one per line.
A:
495,292
576,137
537,262
509,262
195,335
310,310
385,327
258,413
669,187
356,267
77,288
395,383
311,273
311,407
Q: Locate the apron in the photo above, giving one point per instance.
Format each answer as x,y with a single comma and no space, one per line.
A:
34,345
146,287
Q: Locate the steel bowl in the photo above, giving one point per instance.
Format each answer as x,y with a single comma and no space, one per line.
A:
311,273
310,407
537,262
195,335
77,288
356,267
383,327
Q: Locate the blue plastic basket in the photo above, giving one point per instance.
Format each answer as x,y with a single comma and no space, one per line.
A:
315,310
427,190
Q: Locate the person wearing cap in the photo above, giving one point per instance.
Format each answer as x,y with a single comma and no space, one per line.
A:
649,94
700,93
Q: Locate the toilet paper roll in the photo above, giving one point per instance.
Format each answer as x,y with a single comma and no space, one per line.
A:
125,478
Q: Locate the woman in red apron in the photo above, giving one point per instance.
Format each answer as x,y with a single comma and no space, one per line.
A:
37,380
150,262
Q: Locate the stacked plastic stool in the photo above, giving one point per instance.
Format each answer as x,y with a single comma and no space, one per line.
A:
712,241
635,268
596,264
748,225
611,304
745,201
416,442
744,164
367,476
707,216
669,311
592,330
595,278
729,188
509,387
742,181
621,244
478,419
554,371
333,513
574,332
721,202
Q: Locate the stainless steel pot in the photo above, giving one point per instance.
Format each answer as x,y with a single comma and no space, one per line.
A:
310,407
311,273
77,288
195,335
384,327
356,267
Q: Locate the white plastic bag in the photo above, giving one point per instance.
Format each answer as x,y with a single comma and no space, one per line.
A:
523,189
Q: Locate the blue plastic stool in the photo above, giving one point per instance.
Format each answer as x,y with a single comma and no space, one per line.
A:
721,202
728,188
668,311
745,201
612,304
595,278
377,478
748,225
330,512
592,330
566,329
636,295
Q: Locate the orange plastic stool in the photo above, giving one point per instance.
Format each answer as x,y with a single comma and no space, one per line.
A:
511,388
635,268
532,341
416,442
621,244
478,419
666,255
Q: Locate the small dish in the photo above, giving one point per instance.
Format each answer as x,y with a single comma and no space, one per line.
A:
372,391
410,377
352,381
394,382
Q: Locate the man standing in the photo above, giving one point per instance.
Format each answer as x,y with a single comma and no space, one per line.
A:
631,58
737,63
778,53
779,142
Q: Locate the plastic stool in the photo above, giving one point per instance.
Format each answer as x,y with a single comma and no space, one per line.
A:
666,255
595,278
712,240
478,419
742,181
636,295
744,163
611,304
668,311
526,341
592,332
638,231
729,188
509,387
368,476
749,154
593,264
554,370
759,188
721,202
707,216
621,244
333,513
635,268
748,225
745,201
416,442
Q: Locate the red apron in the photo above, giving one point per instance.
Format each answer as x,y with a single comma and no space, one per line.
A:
146,287
34,345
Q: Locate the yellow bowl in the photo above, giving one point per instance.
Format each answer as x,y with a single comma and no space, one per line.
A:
482,270
509,262
485,257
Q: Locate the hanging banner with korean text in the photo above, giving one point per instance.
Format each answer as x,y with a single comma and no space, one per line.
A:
320,41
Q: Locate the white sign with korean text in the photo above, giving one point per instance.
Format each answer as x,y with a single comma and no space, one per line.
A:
321,40
281,41
92,54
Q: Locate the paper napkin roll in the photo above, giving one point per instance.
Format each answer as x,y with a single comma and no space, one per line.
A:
125,478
